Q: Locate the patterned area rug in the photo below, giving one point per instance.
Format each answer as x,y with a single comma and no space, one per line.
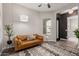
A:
46,49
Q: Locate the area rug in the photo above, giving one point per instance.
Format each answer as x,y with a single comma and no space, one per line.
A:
45,49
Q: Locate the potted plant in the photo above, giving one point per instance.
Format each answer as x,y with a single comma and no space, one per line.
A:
9,33
77,35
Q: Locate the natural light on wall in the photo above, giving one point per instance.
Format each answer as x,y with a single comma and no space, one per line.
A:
23,18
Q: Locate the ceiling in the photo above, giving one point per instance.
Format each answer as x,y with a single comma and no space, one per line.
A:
34,6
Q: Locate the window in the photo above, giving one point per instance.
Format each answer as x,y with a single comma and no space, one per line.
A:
47,26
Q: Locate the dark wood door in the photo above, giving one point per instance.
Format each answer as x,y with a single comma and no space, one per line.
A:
63,26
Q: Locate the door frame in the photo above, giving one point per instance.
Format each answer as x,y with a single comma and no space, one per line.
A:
58,15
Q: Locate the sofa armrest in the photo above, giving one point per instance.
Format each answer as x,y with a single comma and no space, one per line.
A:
17,42
40,37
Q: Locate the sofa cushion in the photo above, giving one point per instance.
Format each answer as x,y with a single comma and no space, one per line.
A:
35,35
22,37
19,42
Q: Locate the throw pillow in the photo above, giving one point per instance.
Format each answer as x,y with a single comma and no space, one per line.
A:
29,37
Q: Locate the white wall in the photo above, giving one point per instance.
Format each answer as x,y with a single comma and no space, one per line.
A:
1,35
78,14
11,13
78,22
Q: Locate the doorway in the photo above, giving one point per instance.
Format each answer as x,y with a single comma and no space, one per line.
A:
66,25
61,26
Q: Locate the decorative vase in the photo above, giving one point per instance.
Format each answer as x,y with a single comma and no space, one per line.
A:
9,42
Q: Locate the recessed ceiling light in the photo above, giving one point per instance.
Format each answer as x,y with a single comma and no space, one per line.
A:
70,11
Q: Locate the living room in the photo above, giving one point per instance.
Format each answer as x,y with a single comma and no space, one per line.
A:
14,13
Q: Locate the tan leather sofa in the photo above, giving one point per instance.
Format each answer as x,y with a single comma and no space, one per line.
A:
22,42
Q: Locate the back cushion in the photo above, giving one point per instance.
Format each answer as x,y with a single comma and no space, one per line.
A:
22,37
39,37
35,35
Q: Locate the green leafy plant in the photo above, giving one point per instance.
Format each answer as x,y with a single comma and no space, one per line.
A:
77,33
9,30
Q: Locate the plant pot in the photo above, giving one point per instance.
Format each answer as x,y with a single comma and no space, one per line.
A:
9,42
